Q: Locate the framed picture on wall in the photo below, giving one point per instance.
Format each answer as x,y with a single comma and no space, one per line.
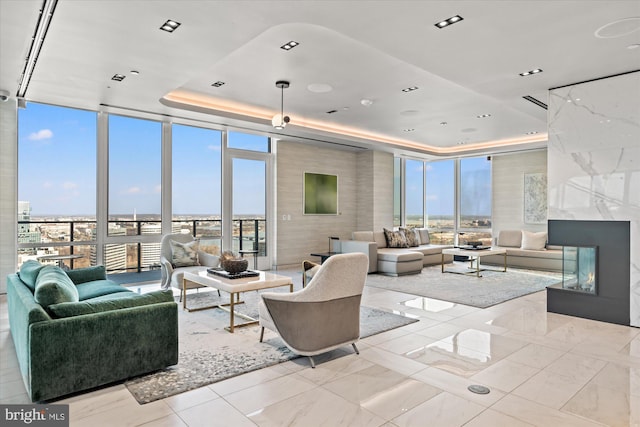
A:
535,198
320,194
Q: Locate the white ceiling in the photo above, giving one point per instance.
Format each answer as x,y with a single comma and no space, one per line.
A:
362,49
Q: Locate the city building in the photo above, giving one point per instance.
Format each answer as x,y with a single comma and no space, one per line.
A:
377,94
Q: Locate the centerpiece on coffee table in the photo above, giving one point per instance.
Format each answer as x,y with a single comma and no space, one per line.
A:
232,263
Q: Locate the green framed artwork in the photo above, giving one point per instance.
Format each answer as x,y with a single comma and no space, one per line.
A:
320,194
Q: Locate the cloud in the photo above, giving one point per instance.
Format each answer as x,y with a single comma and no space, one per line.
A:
157,189
41,134
132,190
69,185
47,184
213,147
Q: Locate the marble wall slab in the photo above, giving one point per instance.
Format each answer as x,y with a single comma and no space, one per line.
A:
594,159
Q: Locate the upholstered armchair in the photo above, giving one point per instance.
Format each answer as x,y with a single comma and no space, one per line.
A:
325,314
179,252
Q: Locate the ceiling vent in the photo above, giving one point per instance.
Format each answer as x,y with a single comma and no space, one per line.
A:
535,101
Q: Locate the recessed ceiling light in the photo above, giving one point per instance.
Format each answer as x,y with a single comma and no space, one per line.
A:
533,132
633,46
410,89
134,72
290,45
217,84
366,102
482,116
448,21
443,123
461,143
319,88
528,73
118,77
170,26
408,130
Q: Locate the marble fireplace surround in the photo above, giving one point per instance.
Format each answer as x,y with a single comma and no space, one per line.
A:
593,160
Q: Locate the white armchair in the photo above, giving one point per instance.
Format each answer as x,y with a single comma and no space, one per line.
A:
172,276
325,314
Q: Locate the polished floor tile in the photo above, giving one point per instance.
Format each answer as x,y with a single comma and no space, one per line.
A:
445,409
543,369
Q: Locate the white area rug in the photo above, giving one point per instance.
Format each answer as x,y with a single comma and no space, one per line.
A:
492,288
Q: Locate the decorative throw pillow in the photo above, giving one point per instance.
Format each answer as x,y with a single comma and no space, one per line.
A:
184,254
413,239
534,241
29,273
53,286
425,239
395,239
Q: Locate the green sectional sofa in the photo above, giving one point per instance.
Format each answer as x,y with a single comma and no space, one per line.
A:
77,330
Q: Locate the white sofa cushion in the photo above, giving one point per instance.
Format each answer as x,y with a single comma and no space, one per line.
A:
424,236
378,237
398,255
534,241
510,238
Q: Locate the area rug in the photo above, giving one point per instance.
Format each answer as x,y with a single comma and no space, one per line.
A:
209,354
494,287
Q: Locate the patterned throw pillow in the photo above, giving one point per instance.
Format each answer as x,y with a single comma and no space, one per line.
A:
412,237
395,239
184,254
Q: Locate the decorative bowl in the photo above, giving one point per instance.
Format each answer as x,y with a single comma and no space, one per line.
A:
235,265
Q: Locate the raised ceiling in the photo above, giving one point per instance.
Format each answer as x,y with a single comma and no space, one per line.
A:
361,50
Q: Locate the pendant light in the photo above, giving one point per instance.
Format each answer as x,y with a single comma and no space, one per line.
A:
279,121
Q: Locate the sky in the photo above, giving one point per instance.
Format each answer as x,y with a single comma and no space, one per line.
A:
57,165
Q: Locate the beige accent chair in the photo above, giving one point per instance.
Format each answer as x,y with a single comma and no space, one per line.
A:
173,276
325,314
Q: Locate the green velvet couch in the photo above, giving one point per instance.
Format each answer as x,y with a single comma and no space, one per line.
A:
77,330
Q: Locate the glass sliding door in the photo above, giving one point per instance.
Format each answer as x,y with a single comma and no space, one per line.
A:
249,201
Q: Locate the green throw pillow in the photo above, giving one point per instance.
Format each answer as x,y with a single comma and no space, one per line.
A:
53,286
29,273
184,254
88,274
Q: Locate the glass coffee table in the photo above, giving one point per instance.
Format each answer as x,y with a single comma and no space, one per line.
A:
234,287
474,255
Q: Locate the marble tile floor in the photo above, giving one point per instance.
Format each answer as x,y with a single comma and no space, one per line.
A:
543,369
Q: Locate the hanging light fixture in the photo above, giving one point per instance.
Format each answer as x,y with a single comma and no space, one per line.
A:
279,121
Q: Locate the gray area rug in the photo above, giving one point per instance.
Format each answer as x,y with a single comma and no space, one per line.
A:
494,287
209,354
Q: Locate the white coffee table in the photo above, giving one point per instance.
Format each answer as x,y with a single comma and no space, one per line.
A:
475,255
234,287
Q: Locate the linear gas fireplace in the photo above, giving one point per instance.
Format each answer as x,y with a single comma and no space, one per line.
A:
579,268
595,270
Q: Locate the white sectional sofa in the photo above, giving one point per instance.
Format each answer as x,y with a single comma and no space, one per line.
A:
526,250
395,261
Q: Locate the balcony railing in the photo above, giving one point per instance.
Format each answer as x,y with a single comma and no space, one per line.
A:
41,238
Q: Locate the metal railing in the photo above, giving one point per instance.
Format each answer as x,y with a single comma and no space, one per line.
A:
45,237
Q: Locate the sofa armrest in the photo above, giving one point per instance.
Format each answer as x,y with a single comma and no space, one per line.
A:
368,248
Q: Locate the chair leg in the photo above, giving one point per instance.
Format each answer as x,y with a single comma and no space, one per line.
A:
219,293
313,365
355,348
261,333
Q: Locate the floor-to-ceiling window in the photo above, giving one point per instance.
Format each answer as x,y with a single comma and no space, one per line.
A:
56,185
196,196
414,193
455,194
475,200
441,200
134,193
94,188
